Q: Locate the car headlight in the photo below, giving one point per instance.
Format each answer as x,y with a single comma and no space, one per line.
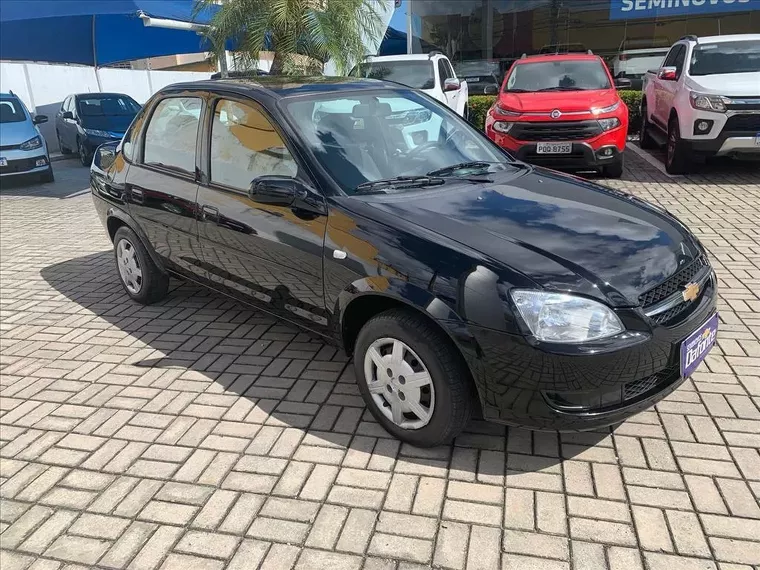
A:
31,144
557,317
704,102
503,126
596,111
608,124
97,133
499,110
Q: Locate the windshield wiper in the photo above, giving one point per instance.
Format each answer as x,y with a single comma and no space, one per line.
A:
461,166
560,89
375,186
518,90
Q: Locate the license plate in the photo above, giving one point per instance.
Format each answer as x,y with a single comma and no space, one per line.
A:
757,139
554,148
3,161
473,79
695,348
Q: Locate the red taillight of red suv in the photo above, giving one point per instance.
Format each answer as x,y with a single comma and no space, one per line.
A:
561,111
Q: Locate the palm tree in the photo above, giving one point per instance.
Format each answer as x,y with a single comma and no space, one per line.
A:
302,33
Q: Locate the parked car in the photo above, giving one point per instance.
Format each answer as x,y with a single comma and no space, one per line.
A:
562,111
704,101
633,64
23,150
456,276
483,76
430,73
87,120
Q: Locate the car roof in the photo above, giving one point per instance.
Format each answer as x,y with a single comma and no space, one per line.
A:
8,96
287,86
98,95
403,57
558,57
730,38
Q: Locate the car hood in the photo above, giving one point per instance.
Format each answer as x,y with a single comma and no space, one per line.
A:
16,133
560,231
731,84
565,101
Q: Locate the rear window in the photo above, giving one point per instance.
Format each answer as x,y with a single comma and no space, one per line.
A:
107,106
725,57
11,111
563,75
414,74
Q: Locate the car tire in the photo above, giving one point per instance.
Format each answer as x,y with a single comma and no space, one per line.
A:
646,141
47,176
444,399
677,158
84,157
614,170
141,278
61,147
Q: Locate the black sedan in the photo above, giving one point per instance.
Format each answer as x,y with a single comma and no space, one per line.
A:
87,120
461,280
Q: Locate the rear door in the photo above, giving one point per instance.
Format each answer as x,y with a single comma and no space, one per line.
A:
161,184
268,254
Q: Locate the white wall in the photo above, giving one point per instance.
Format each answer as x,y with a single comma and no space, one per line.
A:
43,87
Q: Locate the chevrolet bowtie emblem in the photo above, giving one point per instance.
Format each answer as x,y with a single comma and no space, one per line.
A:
690,292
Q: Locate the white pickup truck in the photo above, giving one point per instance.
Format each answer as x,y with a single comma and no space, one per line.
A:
430,73
704,100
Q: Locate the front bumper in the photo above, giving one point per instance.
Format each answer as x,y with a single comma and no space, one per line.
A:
726,144
540,386
23,166
92,143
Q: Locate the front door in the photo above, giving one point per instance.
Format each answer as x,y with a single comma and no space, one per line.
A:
161,185
268,254
452,97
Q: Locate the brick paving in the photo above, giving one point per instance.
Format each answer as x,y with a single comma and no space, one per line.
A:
199,434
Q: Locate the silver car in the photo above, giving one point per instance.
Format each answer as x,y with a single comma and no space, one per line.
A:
23,151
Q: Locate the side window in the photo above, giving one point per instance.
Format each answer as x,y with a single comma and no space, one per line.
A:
680,57
449,69
172,133
64,105
442,71
670,59
245,145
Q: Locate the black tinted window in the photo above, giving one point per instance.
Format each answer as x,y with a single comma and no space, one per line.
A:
726,57
670,59
414,74
680,57
443,73
245,145
172,133
108,106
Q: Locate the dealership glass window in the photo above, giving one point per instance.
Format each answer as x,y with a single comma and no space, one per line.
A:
245,145
172,132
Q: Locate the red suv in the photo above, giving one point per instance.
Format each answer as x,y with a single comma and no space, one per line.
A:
561,111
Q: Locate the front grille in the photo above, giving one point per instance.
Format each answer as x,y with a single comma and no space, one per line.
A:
749,123
10,147
673,283
21,165
743,104
556,131
639,387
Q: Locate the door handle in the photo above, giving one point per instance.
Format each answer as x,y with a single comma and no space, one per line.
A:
137,195
209,213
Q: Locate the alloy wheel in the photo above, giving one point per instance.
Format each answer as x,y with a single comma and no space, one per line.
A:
129,266
400,383
83,154
671,144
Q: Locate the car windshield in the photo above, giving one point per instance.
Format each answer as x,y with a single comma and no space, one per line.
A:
725,57
116,105
11,111
475,68
375,135
417,74
565,75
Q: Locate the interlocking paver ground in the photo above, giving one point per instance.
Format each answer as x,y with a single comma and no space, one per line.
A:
198,433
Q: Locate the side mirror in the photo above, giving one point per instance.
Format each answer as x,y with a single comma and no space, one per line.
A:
67,115
105,156
451,84
276,190
39,119
668,74
623,83
491,90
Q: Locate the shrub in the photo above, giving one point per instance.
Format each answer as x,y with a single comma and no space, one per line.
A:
479,105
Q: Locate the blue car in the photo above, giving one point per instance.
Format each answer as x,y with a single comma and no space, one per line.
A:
87,120
23,152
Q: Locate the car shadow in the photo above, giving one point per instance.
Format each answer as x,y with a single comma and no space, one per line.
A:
285,377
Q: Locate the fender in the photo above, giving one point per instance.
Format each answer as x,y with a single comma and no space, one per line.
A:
135,227
399,291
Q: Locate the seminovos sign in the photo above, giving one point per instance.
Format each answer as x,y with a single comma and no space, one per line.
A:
632,9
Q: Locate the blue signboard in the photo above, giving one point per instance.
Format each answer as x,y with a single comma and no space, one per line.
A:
633,9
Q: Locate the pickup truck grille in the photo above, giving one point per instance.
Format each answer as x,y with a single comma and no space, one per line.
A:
743,123
556,131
